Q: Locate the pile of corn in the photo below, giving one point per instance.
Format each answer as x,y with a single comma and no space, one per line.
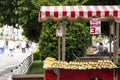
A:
99,64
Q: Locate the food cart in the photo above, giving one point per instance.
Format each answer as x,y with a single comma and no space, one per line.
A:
98,69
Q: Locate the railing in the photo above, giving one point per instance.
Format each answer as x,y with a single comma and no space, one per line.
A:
19,69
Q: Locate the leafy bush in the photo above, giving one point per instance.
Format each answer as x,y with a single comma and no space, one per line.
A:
36,54
48,41
78,39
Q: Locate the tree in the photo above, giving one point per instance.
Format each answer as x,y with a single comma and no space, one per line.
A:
21,13
28,18
14,12
7,10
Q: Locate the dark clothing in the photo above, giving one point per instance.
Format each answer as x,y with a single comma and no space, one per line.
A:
27,45
23,50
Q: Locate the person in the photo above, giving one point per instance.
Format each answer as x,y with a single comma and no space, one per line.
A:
17,46
100,48
23,46
11,45
27,46
2,46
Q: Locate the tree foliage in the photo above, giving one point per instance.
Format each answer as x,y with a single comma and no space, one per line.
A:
7,12
28,18
21,13
14,12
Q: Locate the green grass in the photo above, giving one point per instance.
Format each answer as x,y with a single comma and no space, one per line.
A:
36,67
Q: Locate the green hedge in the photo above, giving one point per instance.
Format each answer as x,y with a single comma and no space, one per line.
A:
36,54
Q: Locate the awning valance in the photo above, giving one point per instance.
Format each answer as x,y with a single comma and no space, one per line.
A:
75,12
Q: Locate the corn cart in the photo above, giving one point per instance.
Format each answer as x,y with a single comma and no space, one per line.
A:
90,68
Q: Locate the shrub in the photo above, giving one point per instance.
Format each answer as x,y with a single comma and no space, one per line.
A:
77,40
36,54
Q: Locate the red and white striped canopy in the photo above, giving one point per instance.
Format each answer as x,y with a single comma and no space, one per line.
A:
58,12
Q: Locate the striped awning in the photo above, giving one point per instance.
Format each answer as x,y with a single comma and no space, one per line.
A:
75,12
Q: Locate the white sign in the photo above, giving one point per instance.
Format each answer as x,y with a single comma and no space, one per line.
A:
95,26
59,33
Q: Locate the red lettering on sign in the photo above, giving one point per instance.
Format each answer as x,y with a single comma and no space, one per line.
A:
95,25
93,30
95,21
